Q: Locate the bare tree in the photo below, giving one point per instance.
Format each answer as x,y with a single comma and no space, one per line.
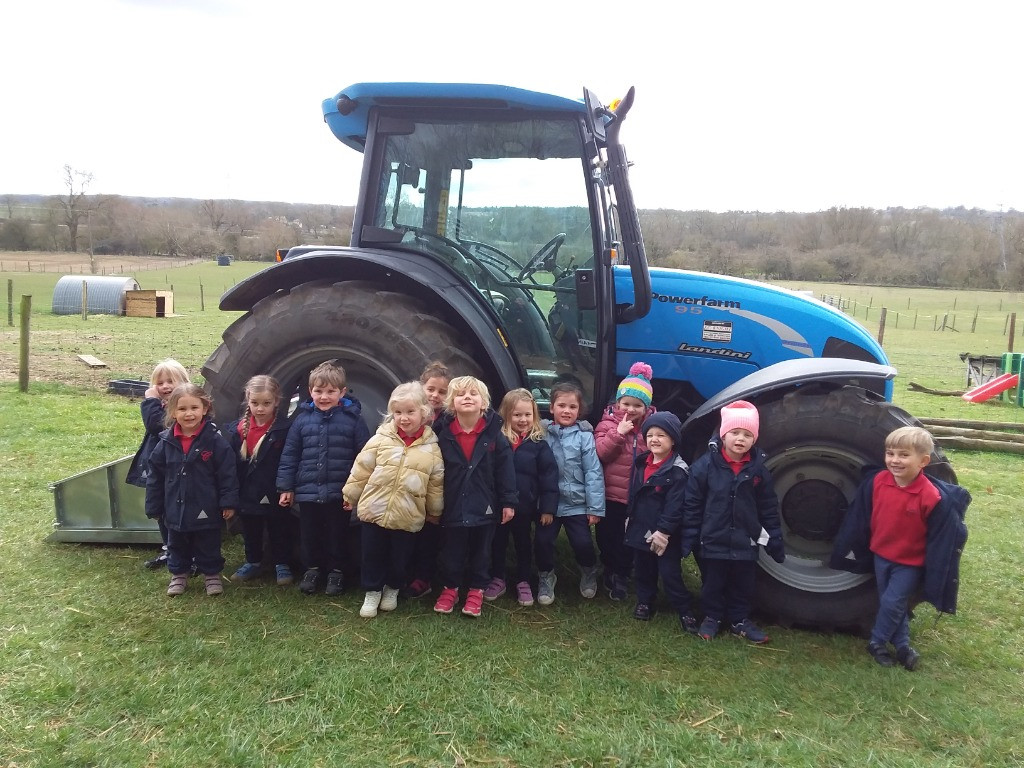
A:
73,203
9,202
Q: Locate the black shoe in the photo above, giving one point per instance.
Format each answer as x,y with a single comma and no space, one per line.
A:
643,612
908,657
881,654
309,579
617,591
156,563
335,583
689,624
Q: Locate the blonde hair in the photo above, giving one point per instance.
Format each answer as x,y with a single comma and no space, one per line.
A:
328,374
170,368
410,392
256,384
187,389
508,404
460,384
435,370
918,439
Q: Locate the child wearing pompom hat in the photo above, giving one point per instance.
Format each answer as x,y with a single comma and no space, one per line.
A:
730,508
619,441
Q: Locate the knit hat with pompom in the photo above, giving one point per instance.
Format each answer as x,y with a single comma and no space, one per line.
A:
637,384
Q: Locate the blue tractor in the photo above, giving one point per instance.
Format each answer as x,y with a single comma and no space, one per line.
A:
495,230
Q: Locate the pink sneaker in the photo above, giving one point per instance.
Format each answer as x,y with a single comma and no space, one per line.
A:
447,600
474,603
524,595
495,589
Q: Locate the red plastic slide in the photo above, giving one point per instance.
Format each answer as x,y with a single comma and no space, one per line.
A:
983,392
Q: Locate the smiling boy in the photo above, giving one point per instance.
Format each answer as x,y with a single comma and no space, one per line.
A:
907,528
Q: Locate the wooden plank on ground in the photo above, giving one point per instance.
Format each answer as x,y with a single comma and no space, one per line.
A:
92,362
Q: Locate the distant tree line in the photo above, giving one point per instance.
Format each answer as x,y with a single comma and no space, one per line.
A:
913,247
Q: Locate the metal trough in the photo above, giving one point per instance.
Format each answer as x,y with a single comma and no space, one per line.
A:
98,506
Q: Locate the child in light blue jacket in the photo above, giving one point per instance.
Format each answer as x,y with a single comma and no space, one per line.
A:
580,494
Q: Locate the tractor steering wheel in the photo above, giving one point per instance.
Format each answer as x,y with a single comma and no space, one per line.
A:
547,251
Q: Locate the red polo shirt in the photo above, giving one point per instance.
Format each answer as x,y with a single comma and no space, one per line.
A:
899,518
467,440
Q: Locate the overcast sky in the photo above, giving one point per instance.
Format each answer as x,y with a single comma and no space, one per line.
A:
767,106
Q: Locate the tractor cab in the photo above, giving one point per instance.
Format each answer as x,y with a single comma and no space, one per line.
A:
508,189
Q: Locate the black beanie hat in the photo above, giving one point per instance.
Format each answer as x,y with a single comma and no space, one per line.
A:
667,421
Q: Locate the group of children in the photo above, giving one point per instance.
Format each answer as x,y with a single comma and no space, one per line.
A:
446,482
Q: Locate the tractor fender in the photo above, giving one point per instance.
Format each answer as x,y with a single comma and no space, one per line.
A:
775,380
445,292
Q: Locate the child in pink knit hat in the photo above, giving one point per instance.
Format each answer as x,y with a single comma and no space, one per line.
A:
730,509
619,441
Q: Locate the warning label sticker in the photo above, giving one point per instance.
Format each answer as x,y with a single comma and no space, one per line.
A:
717,330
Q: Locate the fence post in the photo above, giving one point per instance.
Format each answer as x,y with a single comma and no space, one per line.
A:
10,302
202,303
915,319
1013,326
85,300
974,322
26,312
881,326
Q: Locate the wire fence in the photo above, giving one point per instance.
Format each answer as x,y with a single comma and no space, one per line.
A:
105,265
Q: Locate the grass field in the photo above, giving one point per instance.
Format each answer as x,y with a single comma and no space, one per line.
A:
99,668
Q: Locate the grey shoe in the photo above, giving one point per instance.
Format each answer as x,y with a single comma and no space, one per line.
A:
389,599
588,581
546,587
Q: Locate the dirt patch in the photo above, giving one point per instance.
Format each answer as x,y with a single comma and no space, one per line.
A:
79,263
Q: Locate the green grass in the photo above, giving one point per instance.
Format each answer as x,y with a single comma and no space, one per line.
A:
99,668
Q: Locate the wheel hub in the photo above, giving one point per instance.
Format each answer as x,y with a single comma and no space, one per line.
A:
813,509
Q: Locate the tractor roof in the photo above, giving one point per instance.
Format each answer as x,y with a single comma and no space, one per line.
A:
348,113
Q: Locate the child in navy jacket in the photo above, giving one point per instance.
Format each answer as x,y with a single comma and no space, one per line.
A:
909,530
167,374
192,486
730,509
257,440
323,441
537,485
479,492
654,520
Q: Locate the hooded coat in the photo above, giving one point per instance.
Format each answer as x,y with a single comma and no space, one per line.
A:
189,491
723,512
319,451
618,452
944,545
394,485
257,474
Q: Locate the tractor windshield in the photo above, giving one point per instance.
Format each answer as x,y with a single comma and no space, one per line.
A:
505,204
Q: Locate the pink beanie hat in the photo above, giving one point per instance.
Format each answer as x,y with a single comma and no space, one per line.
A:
637,384
740,415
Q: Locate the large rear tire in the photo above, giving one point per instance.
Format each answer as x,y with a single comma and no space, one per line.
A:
381,338
818,441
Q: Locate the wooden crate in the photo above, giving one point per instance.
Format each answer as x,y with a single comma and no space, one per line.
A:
149,303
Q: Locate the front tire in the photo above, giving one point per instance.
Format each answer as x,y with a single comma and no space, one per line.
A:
818,441
381,338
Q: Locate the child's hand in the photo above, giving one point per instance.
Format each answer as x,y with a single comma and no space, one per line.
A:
152,392
625,426
228,513
507,513
286,498
659,543
434,519
346,506
776,549
593,519
547,519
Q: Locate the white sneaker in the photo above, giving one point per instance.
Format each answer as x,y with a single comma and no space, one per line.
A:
370,604
389,600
